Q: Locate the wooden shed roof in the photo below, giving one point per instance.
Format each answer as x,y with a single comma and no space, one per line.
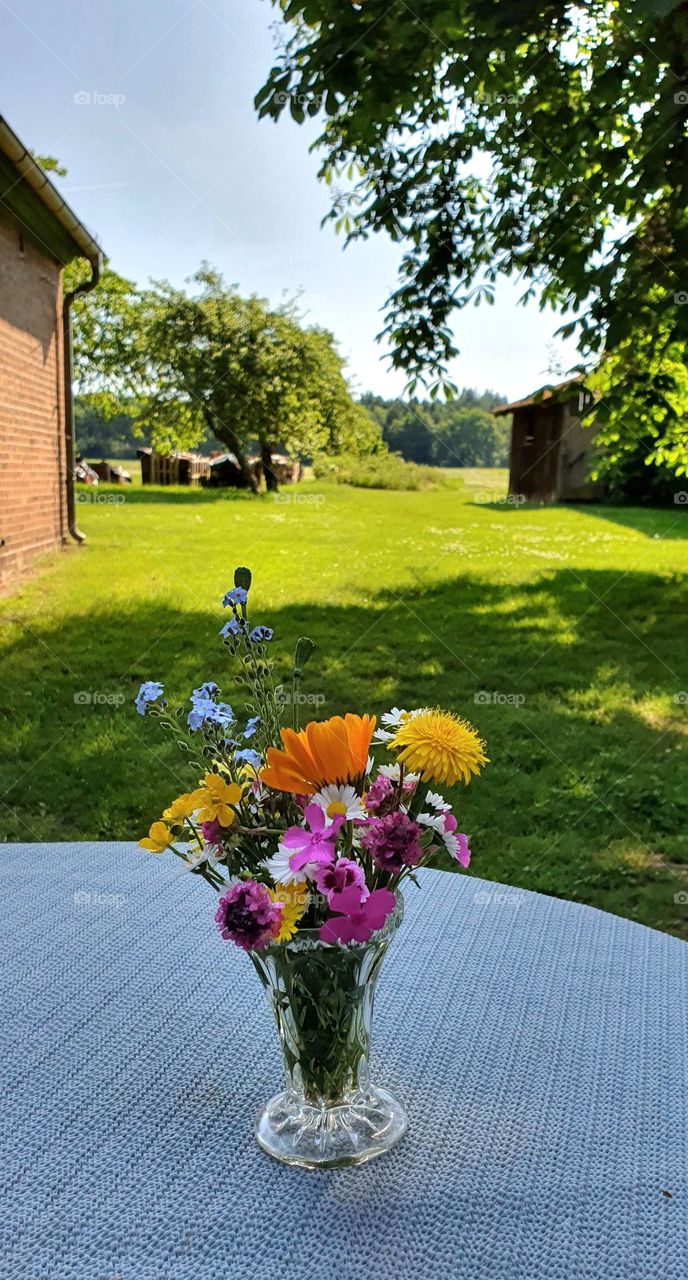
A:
550,391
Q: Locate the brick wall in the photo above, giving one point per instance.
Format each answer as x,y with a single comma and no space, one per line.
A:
32,454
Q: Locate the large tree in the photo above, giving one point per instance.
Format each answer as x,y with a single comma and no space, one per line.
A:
536,138
209,362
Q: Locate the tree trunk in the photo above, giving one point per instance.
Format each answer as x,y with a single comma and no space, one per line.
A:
271,482
228,437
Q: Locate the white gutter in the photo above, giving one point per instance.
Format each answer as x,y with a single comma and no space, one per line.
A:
38,180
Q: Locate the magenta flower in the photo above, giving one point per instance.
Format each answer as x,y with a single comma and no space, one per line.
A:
378,793
211,832
356,920
335,877
313,845
247,916
393,842
455,841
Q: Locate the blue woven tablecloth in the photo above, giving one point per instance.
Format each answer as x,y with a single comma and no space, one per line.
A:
540,1047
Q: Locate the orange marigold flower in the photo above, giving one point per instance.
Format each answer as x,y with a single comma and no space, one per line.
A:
334,750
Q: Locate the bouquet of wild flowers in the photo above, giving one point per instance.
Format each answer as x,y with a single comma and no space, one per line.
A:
301,828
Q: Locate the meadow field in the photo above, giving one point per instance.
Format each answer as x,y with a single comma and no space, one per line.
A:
560,632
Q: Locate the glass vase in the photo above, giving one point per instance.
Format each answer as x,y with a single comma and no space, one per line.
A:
321,994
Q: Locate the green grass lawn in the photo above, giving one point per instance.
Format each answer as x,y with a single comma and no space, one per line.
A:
560,632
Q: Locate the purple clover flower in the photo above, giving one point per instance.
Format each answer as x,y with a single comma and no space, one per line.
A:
393,842
378,793
247,916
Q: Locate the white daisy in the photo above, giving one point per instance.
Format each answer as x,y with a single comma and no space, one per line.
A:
391,771
394,717
434,820
280,871
437,801
451,843
339,801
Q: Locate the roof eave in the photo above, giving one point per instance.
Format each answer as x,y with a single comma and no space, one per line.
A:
36,178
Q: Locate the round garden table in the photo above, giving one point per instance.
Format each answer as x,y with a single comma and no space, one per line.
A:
540,1048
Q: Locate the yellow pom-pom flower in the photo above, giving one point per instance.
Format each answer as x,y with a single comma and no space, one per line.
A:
158,839
439,746
293,899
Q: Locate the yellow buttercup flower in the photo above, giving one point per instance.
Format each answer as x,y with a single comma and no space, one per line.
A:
183,806
293,899
437,745
158,838
216,800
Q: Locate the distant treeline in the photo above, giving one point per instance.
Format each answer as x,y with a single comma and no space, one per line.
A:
456,433
97,437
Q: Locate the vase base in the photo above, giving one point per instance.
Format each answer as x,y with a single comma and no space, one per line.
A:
330,1137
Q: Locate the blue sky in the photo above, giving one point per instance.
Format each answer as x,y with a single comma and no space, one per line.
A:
168,165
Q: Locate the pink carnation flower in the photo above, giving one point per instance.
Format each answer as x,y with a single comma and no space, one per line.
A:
338,876
357,920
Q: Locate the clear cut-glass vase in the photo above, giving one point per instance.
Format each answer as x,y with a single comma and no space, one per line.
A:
328,1114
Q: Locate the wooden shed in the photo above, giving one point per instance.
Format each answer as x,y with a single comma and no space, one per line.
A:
173,468
550,447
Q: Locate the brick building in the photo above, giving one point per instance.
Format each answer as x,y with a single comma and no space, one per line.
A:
39,235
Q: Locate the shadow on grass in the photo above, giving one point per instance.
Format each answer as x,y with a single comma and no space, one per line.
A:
573,681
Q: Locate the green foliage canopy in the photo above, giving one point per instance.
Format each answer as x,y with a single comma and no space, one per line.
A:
209,362
537,139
